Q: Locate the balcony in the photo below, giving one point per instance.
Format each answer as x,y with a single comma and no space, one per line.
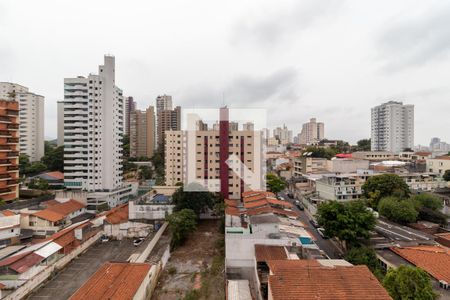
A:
5,191
4,133
12,140
12,168
13,127
4,148
11,112
4,119
4,162
13,154
12,182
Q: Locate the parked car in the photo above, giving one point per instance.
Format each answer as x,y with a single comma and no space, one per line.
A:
104,238
281,198
138,241
290,195
314,223
321,232
299,205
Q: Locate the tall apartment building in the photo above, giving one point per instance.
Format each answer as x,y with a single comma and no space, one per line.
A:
168,120
312,132
130,107
163,102
283,135
9,150
93,128
392,127
142,133
31,118
201,156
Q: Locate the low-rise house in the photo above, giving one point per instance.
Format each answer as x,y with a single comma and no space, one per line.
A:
151,207
423,181
435,260
117,224
373,155
307,165
340,186
313,279
347,165
115,280
443,238
55,179
55,217
9,228
438,164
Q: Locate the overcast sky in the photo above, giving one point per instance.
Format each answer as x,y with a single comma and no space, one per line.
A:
332,60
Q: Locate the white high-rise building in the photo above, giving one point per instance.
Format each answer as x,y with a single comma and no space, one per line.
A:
392,127
31,118
93,127
283,135
312,132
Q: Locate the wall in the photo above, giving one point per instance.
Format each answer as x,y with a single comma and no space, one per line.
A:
34,282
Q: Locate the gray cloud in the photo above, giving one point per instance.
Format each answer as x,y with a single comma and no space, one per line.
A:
245,91
269,30
416,41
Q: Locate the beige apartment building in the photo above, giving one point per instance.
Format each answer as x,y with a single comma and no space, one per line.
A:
167,120
142,133
439,164
200,156
312,132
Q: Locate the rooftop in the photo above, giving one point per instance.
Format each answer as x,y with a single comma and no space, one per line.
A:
58,211
113,281
435,260
264,219
308,279
269,252
118,214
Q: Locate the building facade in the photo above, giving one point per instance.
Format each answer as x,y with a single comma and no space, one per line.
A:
214,158
142,133
283,135
9,150
312,132
93,128
438,164
167,120
392,127
130,107
31,118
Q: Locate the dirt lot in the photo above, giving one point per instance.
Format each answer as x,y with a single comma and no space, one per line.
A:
196,269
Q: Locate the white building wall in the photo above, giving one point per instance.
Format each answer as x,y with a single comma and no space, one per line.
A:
31,118
93,126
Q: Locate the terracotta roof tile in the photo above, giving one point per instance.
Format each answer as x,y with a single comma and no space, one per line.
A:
8,213
306,279
445,157
118,214
49,215
435,260
113,281
268,252
232,203
65,208
232,211
56,175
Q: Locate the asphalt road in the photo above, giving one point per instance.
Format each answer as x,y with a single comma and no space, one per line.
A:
324,244
78,271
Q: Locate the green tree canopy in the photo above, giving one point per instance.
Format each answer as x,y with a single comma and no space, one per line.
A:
181,223
347,221
428,200
53,157
408,282
146,172
320,152
397,210
197,201
447,175
363,145
274,183
385,185
365,256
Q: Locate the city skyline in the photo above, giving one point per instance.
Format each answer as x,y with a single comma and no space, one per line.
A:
368,65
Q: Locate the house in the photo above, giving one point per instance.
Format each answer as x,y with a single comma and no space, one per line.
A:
9,228
55,179
438,164
313,279
55,217
118,226
115,280
433,259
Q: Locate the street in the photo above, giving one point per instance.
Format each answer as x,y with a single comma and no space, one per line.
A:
324,244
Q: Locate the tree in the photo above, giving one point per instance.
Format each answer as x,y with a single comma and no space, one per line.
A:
447,175
145,172
434,216
363,145
126,146
385,185
275,184
327,153
365,256
24,163
428,200
397,210
159,164
181,223
347,221
408,282
53,157
198,201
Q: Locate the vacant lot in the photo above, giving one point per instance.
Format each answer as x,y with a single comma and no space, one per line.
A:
196,269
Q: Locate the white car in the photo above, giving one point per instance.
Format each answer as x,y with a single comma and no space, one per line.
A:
321,232
138,241
281,198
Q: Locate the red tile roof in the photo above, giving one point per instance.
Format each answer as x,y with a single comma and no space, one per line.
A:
55,174
49,215
268,252
58,211
232,211
113,281
26,263
8,213
232,203
445,157
435,260
118,214
423,153
306,279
